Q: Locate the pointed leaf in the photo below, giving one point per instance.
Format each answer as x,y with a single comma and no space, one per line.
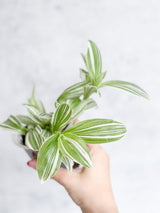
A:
84,75
93,62
36,102
45,134
127,86
33,139
74,91
49,158
98,130
84,105
26,120
68,163
89,90
13,123
74,148
40,118
61,117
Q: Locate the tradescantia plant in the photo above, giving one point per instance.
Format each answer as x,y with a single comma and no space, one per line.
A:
54,136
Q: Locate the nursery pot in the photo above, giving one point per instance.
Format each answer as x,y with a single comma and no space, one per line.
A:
20,141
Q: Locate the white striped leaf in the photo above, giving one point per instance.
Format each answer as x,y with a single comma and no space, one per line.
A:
26,120
84,105
13,123
74,91
68,163
34,114
33,139
98,130
36,102
61,117
49,158
91,104
84,75
89,90
127,86
38,117
45,134
73,103
74,148
93,62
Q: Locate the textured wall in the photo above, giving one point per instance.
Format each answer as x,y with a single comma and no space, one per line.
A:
41,41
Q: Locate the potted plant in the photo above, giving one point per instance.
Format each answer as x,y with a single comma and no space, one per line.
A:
54,136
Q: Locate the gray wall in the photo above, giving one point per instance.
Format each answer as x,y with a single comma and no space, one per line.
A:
41,41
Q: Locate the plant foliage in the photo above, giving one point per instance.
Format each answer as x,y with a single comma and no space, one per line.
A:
54,136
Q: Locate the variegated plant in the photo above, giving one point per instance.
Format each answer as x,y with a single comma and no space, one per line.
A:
55,136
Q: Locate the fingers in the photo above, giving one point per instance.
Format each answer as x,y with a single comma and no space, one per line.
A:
32,163
62,176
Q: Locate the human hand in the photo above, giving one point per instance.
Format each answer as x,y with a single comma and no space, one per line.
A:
89,188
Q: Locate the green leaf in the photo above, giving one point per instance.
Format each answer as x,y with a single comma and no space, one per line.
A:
74,148
84,105
74,103
93,62
89,90
13,123
26,120
49,158
61,117
91,104
33,139
84,75
98,130
40,118
68,163
36,102
127,86
45,134
96,60
74,91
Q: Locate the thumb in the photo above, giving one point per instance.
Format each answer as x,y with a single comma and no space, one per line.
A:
62,176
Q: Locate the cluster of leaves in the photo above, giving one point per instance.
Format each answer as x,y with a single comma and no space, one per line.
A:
54,135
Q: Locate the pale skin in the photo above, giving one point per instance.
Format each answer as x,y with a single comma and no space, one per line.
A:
89,188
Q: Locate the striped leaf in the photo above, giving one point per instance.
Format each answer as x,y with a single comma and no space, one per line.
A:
98,130
93,62
84,105
91,104
84,75
89,90
38,117
34,114
74,148
74,91
36,102
127,86
49,158
26,120
68,163
33,139
45,134
13,123
74,103
61,117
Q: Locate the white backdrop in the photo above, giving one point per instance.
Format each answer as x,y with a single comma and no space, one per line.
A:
41,41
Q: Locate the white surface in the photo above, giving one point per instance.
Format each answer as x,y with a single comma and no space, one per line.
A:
41,41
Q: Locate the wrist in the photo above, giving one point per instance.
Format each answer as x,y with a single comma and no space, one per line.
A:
108,206
101,209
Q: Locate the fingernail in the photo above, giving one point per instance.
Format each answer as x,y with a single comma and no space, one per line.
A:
28,163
